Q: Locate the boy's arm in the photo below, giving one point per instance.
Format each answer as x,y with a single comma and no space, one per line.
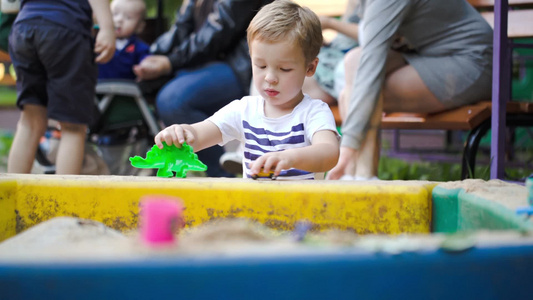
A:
321,156
105,39
200,135
206,134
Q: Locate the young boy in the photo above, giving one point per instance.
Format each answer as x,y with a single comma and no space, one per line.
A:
128,18
53,53
283,130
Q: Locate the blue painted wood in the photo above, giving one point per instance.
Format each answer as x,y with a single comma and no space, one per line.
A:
478,273
501,87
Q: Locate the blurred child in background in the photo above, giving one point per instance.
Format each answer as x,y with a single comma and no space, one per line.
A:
128,18
54,57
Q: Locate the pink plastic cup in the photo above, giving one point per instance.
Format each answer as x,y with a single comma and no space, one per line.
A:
160,217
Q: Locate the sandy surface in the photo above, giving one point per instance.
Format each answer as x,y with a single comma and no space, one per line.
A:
71,240
510,195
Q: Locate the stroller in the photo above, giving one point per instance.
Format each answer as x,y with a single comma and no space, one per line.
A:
126,127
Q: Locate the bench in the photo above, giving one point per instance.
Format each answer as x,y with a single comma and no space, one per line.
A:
474,118
4,56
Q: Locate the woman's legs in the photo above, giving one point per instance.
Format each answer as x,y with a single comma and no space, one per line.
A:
193,96
368,157
367,162
403,91
351,63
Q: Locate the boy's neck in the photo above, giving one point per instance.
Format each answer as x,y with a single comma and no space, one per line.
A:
274,111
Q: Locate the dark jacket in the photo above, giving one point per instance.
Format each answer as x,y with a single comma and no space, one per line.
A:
222,37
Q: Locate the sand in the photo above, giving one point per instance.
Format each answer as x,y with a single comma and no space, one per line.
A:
69,239
73,240
510,195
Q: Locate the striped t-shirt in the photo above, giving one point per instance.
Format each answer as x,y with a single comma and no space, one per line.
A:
244,120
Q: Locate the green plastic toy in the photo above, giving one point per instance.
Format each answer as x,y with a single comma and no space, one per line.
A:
170,158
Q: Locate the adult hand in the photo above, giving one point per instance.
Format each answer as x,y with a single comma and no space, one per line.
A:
104,45
346,157
152,67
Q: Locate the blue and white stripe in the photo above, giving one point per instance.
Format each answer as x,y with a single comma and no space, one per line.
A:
260,141
244,120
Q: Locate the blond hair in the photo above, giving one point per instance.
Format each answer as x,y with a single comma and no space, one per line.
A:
285,19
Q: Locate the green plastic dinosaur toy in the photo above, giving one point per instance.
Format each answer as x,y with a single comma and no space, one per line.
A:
170,158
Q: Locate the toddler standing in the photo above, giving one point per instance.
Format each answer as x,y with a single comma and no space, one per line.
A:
54,57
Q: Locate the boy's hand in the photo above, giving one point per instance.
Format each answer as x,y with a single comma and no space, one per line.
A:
104,45
271,162
152,67
174,134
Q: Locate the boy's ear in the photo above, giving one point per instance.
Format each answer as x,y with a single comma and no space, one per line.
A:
311,67
140,27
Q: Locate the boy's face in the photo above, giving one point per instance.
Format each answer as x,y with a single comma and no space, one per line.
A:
279,70
127,18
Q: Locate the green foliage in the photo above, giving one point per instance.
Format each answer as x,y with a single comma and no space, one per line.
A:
397,169
170,158
169,9
8,96
6,139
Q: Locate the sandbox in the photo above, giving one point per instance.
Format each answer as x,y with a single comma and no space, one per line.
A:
397,239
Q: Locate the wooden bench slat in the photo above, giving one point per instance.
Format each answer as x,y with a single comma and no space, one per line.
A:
490,3
336,114
4,57
462,118
526,107
515,107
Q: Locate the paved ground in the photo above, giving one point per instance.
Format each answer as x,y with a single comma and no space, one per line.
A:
9,118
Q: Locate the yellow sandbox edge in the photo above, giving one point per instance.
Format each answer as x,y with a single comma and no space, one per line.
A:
8,213
371,207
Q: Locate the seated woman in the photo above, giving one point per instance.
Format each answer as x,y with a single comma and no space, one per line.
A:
449,65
